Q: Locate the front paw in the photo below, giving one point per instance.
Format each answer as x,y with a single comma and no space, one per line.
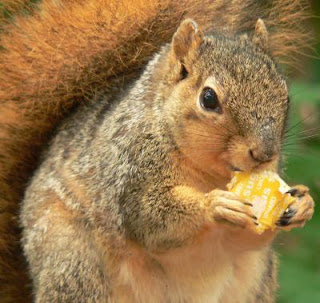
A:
300,211
227,207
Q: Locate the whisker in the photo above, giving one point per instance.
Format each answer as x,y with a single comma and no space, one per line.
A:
295,135
310,136
298,123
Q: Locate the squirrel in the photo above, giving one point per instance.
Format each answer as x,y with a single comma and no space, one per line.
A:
68,53
130,201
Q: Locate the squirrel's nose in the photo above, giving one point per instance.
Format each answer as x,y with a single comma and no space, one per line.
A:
261,155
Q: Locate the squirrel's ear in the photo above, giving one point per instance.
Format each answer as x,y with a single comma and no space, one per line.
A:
186,40
261,35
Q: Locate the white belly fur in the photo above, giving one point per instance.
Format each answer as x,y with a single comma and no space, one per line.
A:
201,273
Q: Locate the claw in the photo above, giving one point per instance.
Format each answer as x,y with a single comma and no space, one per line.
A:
298,191
285,219
289,213
283,222
292,192
248,203
300,211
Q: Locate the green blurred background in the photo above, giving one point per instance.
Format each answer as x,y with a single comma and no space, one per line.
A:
299,275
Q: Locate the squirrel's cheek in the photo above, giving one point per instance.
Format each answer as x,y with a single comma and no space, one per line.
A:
238,155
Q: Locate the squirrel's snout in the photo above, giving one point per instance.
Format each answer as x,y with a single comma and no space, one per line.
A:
262,155
248,153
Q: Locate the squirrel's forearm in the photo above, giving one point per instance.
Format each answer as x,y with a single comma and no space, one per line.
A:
169,218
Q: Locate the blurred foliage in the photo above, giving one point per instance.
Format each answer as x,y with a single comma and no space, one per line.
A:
299,275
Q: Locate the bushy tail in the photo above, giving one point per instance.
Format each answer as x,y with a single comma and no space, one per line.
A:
63,52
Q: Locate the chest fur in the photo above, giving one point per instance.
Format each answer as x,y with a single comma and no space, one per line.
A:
202,272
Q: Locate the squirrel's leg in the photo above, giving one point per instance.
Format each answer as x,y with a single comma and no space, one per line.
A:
171,217
300,211
64,262
167,217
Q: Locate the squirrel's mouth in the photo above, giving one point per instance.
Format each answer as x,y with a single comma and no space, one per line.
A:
270,165
235,168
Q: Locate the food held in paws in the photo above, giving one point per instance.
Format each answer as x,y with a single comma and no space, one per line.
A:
267,192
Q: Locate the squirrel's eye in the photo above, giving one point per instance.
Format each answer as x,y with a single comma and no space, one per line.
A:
209,100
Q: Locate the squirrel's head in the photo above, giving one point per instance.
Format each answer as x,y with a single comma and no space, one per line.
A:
227,103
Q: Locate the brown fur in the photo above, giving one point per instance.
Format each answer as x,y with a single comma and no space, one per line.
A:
146,217
9,8
68,51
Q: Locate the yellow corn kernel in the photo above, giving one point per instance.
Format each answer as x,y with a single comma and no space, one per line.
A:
267,193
